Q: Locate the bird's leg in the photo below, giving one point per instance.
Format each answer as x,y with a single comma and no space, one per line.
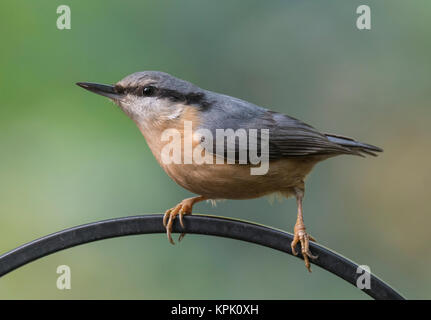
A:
181,209
300,235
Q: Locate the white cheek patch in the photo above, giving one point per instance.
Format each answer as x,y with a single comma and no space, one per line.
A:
150,110
131,107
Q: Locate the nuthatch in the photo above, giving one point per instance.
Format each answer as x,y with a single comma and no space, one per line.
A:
158,102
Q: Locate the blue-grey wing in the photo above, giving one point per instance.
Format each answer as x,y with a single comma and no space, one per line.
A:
288,137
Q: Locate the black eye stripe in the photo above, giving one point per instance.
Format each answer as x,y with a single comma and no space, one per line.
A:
119,89
196,98
138,90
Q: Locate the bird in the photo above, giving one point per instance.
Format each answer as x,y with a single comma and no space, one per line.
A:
163,106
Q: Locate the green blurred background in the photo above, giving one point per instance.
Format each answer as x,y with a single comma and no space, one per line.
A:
69,157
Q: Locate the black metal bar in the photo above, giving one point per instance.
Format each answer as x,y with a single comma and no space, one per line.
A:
197,224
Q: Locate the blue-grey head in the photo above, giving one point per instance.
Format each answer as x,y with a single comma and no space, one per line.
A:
151,95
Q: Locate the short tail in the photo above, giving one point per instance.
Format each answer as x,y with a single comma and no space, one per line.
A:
356,147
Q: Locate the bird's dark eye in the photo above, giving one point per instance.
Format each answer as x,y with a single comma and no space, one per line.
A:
148,91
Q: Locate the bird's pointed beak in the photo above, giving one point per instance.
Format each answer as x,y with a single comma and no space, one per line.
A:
102,89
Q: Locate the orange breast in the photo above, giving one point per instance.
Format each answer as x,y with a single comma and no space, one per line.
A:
223,181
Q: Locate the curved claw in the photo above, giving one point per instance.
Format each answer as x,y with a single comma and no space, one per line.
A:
169,229
304,238
293,245
168,219
170,216
182,235
166,216
181,214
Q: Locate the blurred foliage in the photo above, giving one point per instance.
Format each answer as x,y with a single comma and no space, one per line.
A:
69,157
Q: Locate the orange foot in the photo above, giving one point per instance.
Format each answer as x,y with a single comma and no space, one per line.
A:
304,238
181,209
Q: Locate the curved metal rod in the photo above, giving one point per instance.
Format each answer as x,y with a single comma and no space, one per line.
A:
197,224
